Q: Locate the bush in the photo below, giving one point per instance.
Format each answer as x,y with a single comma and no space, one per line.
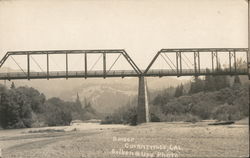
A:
57,113
123,115
227,112
154,118
191,118
24,107
15,109
107,120
225,104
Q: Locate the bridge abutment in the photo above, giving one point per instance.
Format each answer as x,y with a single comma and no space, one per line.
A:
143,105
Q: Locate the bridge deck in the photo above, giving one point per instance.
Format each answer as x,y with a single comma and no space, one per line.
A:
117,73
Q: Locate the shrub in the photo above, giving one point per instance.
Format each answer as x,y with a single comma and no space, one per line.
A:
15,109
57,112
191,118
224,104
123,115
154,118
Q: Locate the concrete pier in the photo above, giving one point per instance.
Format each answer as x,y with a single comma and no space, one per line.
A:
143,105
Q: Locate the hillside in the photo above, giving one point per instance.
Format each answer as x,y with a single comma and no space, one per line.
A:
224,98
225,104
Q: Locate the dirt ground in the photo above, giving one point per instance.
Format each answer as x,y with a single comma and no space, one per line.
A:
89,140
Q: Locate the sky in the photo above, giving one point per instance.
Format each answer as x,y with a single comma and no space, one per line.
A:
141,27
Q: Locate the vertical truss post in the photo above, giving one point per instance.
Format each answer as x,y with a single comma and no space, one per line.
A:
217,61
104,65
67,66
28,65
215,55
180,63
47,65
86,65
230,61
177,63
235,64
199,63
195,64
212,54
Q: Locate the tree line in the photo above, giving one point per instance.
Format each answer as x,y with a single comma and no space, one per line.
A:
22,107
212,97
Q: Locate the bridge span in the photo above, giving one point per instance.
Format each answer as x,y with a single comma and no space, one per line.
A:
178,62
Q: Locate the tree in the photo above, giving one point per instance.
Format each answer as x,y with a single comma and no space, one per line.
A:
15,109
209,83
237,81
122,115
57,112
78,104
196,86
162,99
221,82
179,91
4,104
77,111
36,98
12,85
89,108
78,99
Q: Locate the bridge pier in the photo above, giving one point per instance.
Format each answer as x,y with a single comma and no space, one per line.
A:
143,105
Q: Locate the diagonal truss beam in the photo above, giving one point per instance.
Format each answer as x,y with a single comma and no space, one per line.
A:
4,59
131,62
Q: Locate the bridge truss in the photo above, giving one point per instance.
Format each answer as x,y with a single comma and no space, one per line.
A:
85,73
180,62
181,65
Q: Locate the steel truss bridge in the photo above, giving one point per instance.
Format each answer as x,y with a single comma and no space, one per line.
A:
175,59
175,64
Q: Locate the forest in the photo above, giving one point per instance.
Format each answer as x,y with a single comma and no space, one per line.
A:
24,107
221,98
210,97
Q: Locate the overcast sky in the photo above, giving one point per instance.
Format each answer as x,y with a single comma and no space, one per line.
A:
140,27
